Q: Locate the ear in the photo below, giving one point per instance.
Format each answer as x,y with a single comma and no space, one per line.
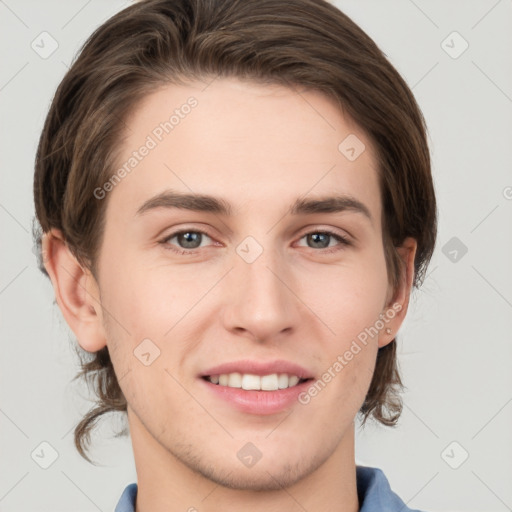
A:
398,299
76,292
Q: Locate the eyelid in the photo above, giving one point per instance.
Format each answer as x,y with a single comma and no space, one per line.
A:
172,232
306,230
344,239
163,240
318,228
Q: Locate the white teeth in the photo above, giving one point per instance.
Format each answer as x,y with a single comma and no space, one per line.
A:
269,382
235,380
283,381
294,380
248,381
251,381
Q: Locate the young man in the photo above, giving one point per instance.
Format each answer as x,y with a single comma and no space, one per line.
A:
236,200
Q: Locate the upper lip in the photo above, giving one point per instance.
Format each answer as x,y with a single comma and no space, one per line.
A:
255,367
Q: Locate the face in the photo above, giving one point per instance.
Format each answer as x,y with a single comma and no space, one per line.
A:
185,290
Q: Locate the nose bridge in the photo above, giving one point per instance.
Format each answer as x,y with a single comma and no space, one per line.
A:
263,302
259,265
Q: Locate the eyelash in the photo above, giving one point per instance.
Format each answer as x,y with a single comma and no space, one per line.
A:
340,238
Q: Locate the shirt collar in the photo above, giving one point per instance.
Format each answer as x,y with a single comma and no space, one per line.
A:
375,494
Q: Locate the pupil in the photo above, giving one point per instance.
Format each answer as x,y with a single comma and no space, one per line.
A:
316,235
186,237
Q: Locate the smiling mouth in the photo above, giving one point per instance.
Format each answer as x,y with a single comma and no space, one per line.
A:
248,382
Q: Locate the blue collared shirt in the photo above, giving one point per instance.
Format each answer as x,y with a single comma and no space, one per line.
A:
373,490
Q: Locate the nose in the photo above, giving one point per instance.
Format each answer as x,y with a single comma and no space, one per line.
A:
261,300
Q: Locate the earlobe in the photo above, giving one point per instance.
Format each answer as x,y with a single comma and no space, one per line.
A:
76,292
396,308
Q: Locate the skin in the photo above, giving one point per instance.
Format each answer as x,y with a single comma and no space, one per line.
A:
259,147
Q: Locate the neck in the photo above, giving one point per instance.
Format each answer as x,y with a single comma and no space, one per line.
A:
165,483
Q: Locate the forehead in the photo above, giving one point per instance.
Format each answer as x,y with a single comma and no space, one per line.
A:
249,143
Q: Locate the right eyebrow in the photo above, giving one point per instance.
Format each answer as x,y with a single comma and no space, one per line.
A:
195,202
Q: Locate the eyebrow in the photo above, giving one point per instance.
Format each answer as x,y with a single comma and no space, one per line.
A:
217,205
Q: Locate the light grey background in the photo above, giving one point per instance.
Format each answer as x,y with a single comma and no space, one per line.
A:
455,346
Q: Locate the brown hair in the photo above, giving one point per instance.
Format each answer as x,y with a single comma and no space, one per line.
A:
151,43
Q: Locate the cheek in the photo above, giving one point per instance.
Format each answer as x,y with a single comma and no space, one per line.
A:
349,303
142,306
349,298
139,300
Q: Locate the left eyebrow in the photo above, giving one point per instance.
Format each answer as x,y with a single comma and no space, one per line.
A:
211,204
331,204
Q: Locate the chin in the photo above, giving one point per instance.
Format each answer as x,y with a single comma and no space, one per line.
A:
258,480
266,474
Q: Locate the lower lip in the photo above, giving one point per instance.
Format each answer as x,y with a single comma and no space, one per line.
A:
258,402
